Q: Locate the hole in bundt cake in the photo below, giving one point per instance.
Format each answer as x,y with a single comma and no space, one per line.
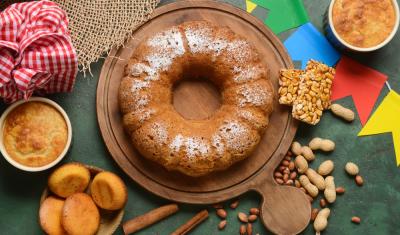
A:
196,95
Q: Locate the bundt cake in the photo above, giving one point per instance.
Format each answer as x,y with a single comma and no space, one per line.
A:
195,50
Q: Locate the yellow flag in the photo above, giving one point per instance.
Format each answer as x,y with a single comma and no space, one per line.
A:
250,6
386,119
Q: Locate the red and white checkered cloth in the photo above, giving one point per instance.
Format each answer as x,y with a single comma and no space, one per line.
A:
36,52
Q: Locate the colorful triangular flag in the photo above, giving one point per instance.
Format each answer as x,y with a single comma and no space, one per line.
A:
386,119
283,14
363,83
250,6
308,43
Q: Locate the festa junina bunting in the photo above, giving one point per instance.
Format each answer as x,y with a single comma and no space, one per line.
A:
385,120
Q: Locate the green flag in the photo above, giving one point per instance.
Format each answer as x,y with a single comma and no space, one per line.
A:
283,14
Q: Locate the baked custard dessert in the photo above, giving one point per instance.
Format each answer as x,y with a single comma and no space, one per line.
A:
195,50
35,134
364,23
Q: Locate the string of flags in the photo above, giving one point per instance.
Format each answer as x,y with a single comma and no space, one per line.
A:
362,83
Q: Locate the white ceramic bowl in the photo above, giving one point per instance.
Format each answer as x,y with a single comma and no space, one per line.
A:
58,159
335,39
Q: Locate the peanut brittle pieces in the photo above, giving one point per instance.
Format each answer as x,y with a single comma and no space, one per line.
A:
307,91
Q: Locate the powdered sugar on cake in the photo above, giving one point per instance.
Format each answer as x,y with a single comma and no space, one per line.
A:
140,101
239,51
140,68
193,146
248,116
245,74
235,135
159,132
139,85
200,40
144,114
254,95
218,144
166,47
252,119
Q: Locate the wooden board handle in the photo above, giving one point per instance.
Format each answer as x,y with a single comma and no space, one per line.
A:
285,210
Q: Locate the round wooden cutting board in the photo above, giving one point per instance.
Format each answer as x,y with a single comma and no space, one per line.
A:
285,209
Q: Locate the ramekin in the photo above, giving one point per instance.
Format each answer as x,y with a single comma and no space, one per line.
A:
338,42
58,159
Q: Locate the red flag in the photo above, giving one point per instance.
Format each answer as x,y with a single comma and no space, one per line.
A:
363,83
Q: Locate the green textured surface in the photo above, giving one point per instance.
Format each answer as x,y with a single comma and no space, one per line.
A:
377,202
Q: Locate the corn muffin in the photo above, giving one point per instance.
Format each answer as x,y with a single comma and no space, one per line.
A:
80,215
108,191
50,216
69,179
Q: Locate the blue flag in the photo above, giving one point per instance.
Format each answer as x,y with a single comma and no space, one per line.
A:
308,43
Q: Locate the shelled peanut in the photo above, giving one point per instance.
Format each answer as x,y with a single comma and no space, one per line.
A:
286,172
314,213
246,219
356,219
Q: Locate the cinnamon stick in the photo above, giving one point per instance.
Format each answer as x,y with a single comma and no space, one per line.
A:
193,222
149,218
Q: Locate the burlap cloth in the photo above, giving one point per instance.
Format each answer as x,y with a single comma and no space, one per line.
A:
97,26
